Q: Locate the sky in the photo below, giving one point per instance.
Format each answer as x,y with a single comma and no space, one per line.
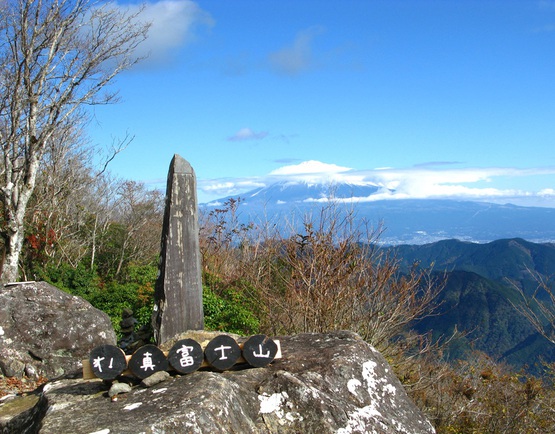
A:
429,99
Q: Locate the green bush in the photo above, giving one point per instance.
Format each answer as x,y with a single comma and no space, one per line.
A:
80,280
229,312
115,297
135,290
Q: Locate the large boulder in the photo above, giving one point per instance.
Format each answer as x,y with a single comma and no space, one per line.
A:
47,332
324,383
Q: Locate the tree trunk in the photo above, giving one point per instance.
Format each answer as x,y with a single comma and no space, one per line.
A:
15,200
93,249
13,245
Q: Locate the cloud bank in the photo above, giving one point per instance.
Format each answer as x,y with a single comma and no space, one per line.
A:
419,182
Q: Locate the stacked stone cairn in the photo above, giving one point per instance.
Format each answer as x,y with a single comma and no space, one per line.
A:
131,340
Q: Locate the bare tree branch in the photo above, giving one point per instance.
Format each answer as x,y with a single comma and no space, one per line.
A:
118,145
539,307
55,58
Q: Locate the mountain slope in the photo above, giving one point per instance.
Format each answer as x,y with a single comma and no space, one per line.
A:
482,278
483,310
480,295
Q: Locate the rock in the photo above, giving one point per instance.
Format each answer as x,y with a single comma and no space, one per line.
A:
118,388
131,341
178,289
203,337
12,367
154,379
128,323
126,312
22,414
46,331
324,383
31,372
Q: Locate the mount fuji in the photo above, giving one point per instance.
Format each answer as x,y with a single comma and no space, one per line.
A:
405,221
300,192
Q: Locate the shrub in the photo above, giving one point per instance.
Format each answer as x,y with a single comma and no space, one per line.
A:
79,280
134,291
479,395
227,308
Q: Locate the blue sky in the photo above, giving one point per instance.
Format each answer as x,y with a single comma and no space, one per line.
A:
432,98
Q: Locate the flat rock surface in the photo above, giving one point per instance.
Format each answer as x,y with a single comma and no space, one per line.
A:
324,383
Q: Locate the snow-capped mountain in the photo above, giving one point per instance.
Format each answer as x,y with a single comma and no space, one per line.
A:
295,192
406,221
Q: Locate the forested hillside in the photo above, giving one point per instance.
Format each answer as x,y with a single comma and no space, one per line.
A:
483,283
515,260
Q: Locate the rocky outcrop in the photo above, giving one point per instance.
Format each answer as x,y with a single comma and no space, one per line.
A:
47,332
324,383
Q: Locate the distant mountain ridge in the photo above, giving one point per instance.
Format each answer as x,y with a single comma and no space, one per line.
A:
406,221
481,292
513,259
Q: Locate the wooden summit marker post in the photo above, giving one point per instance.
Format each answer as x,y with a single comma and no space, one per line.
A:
178,291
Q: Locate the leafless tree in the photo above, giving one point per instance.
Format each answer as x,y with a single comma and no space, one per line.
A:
329,274
139,214
56,57
539,306
71,205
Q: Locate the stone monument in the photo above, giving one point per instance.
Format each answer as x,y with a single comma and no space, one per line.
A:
178,291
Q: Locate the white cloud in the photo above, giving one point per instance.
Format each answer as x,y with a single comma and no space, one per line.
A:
220,188
297,57
447,183
247,134
173,25
411,183
311,166
314,172
546,192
